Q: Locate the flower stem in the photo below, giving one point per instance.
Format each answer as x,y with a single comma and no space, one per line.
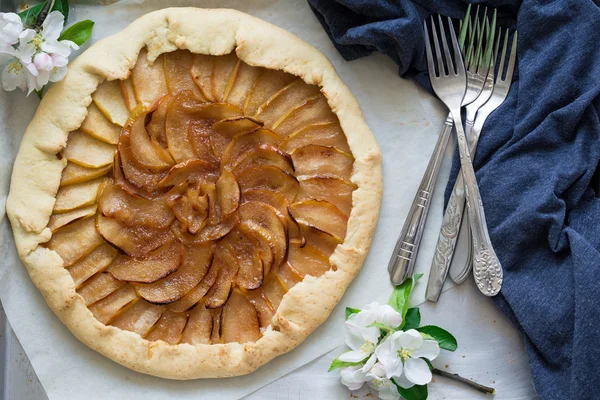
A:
468,382
44,13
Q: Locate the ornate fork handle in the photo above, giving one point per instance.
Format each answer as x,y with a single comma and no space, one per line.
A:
403,258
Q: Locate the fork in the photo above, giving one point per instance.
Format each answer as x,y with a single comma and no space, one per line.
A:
496,97
403,258
450,87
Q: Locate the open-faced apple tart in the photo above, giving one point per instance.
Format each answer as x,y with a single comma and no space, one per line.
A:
196,195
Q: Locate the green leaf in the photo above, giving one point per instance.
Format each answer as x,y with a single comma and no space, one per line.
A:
350,311
30,17
78,33
335,364
417,392
401,294
444,338
382,327
412,319
429,364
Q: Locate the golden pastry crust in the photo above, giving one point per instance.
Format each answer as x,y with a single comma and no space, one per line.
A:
37,174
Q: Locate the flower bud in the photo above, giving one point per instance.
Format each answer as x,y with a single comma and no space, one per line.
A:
43,62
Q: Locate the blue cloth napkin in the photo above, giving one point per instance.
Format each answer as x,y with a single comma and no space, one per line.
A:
535,161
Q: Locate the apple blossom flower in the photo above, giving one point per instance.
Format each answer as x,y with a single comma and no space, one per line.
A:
401,356
10,28
377,379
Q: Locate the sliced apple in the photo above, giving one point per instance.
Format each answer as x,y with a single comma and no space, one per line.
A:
193,171
128,94
133,210
84,150
199,326
178,65
57,221
135,241
74,173
157,125
328,134
239,320
75,240
77,195
322,241
156,265
277,108
223,75
333,190
215,336
98,260
267,84
172,288
180,114
138,318
225,130
307,260
244,81
106,309
320,215
120,180
190,207
264,309
288,275
241,144
149,83
322,161
109,99
196,294
250,273
227,266
265,249
265,154
272,198
141,177
97,125
146,151
98,287
274,290
202,68
169,327
314,111
200,135
267,177
228,193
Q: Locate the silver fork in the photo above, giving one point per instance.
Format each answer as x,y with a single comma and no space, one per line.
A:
450,87
477,66
403,258
496,97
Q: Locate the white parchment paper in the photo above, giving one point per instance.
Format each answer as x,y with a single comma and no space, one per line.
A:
69,370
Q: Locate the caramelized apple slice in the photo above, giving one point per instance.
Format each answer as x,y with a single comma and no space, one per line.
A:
265,154
189,205
128,94
244,80
180,113
333,190
268,83
277,108
135,241
97,125
227,268
288,275
106,309
178,65
268,177
57,221
168,328
141,177
75,240
87,151
74,173
272,198
239,320
329,134
149,83
320,240
202,68
138,318
98,260
307,260
250,273
314,111
264,309
228,193
261,243
320,215
157,125
109,99
199,326
225,130
120,180
322,161
147,152
208,233
215,336
241,144
200,135
77,195
98,287
133,210
223,75
274,290
156,265
196,294
193,171
172,288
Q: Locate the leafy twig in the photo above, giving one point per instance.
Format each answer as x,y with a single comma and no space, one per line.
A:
468,382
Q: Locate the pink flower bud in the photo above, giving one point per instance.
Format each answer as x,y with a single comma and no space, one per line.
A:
43,62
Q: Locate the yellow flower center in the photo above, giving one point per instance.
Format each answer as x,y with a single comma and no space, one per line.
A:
367,347
37,40
15,67
404,354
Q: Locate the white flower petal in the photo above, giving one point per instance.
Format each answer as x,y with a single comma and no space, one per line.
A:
10,27
354,340
411,339
389,316
385,353
54,47
53,25
417,371
58,60
429,349
6,48
352,377
377,372
403,382
43,62
10,80
31,68
58,74
388,391
353,356
369,364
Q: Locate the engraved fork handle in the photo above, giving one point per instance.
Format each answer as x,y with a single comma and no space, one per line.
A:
403,258
487,270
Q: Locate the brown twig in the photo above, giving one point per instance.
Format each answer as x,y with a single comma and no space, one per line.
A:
468,382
